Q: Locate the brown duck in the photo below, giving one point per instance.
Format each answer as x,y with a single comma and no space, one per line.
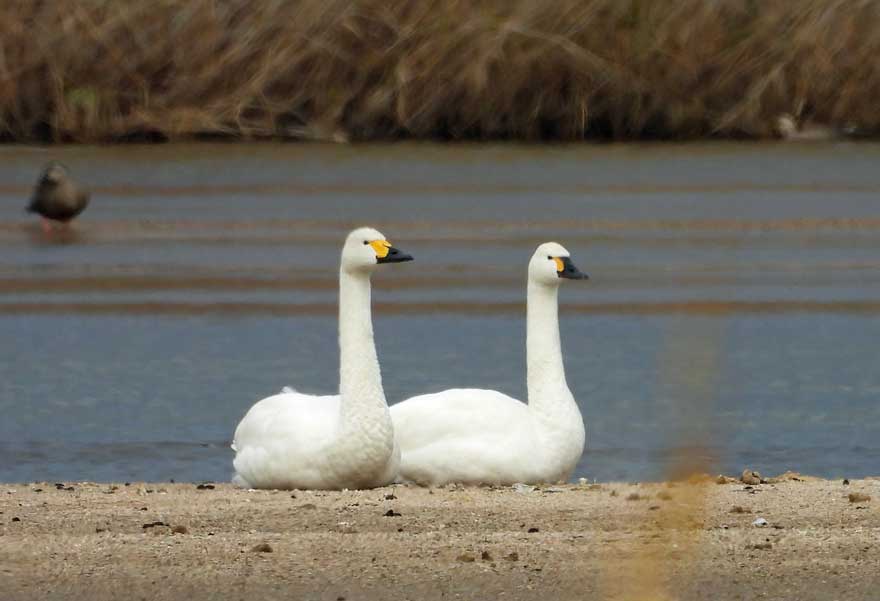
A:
57,197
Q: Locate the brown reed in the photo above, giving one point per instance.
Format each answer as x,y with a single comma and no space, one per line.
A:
100,70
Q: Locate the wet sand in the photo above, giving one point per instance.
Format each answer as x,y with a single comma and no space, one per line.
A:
603,541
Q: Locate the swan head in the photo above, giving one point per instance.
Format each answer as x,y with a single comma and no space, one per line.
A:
786,125
551,264
365,248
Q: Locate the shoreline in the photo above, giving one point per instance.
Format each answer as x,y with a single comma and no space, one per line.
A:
673,540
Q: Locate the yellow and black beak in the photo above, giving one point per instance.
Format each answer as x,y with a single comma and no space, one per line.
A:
385,253
566,269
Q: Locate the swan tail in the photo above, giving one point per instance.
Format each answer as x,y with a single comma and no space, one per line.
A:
288,390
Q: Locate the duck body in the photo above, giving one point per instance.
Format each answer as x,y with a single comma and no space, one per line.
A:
57,196
475,436
298,441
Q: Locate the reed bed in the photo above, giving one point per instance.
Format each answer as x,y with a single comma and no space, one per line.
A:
102,70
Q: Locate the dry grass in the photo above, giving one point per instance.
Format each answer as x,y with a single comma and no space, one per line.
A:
88,70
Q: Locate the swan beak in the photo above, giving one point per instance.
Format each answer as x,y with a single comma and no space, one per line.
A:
393,255
566,269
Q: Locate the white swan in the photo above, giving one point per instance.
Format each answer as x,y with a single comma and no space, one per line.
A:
474,436
789,128
293,440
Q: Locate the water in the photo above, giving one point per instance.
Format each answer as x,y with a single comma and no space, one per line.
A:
732,318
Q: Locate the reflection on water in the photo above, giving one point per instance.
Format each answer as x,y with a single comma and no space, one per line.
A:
134,342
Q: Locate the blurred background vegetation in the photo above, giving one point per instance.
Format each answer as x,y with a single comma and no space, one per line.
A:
112,70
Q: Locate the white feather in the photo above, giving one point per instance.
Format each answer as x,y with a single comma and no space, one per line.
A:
294,440
475,436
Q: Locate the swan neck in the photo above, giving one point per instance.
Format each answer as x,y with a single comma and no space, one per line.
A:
545,373
360,381
558,419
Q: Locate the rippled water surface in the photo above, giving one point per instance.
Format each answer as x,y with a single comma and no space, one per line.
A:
732,318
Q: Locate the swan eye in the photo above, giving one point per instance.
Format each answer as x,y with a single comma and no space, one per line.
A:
366,242
549,258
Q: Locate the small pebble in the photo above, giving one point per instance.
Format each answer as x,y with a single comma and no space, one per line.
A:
486,556
262,548
739,509
522,488
858,497
846,482
205,487
308,506
16,519
514,556
762,546
466,558
750,477
532,530
180,530
153,524
391,514
390,497
760,523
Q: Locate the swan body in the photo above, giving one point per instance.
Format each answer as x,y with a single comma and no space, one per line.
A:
474,436
293,440
791,129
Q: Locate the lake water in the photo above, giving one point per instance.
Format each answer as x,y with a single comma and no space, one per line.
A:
732,317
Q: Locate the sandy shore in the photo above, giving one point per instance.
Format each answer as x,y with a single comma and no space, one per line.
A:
602,541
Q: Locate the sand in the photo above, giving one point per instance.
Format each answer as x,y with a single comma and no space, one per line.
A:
600,541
